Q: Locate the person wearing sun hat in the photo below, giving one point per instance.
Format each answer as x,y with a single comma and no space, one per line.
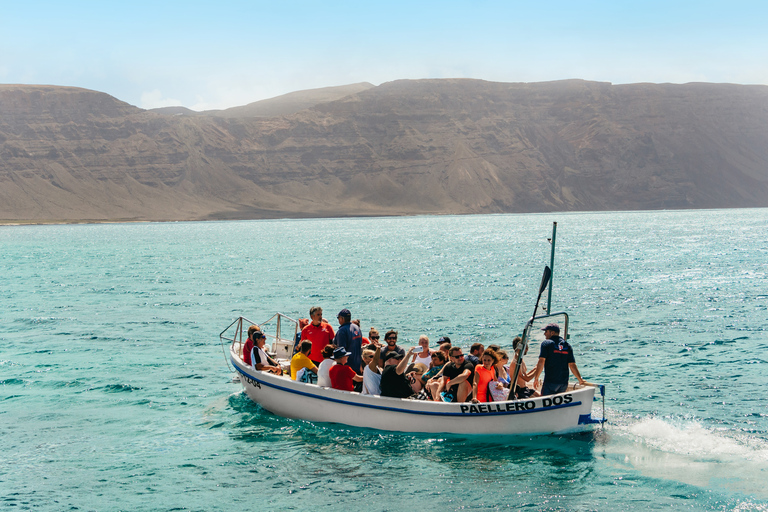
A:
342,376
555,359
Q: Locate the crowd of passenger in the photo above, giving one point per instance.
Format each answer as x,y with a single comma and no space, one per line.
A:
348,361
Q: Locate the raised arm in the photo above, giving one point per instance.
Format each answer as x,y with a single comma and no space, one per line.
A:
374,364
403,364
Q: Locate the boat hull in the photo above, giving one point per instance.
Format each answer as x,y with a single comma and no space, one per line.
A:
556,414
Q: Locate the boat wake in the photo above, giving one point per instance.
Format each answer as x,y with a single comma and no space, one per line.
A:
692,439
689,452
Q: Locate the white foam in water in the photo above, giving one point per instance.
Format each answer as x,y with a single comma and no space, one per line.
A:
696,441
688,452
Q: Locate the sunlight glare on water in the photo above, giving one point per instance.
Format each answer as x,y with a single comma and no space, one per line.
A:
115,389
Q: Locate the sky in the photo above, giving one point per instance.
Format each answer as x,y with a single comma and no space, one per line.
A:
218,54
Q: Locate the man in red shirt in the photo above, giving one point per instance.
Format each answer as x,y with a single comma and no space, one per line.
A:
319,333
342,376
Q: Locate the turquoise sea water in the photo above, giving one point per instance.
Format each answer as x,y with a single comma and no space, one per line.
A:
115,394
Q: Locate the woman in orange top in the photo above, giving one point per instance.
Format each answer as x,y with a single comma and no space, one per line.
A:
484,375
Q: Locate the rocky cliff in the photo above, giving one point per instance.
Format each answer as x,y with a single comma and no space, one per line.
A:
405,147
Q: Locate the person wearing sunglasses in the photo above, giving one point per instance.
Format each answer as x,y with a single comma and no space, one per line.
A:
259,357
456,379
392,346
373,338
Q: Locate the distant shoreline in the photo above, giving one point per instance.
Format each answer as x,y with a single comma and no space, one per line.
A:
4,223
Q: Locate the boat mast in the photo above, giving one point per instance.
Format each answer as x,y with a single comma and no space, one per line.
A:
551,266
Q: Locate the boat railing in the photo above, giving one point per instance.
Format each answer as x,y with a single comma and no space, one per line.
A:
562,320
236,334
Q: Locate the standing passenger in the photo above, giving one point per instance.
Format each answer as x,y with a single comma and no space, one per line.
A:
320,333
555,358
350,338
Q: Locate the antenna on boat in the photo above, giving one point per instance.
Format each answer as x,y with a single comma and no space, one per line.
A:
524,343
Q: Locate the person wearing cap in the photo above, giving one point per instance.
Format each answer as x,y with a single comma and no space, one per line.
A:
319,332
350,338
342,376
394,382
259,357
555,359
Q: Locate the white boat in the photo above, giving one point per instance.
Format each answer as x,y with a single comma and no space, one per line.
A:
566,412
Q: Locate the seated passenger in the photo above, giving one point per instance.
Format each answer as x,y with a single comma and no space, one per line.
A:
248,346
301,360
414,374
391,346
371,373
456,378
475,351
438,361
259,356
373,337
485,376
342,376
502,367
323,377
423,356
394,382
524,377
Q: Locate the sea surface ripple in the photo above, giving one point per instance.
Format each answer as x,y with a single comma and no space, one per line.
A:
115,393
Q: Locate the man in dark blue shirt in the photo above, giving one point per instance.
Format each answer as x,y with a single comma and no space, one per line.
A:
555,358
349,337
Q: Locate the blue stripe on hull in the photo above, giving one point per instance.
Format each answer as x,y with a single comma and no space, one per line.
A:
405,411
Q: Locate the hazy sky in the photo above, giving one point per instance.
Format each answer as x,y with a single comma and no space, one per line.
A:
206,54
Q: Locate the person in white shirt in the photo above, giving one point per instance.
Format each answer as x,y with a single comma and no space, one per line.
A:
425,356
259,357
371,373
323,375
